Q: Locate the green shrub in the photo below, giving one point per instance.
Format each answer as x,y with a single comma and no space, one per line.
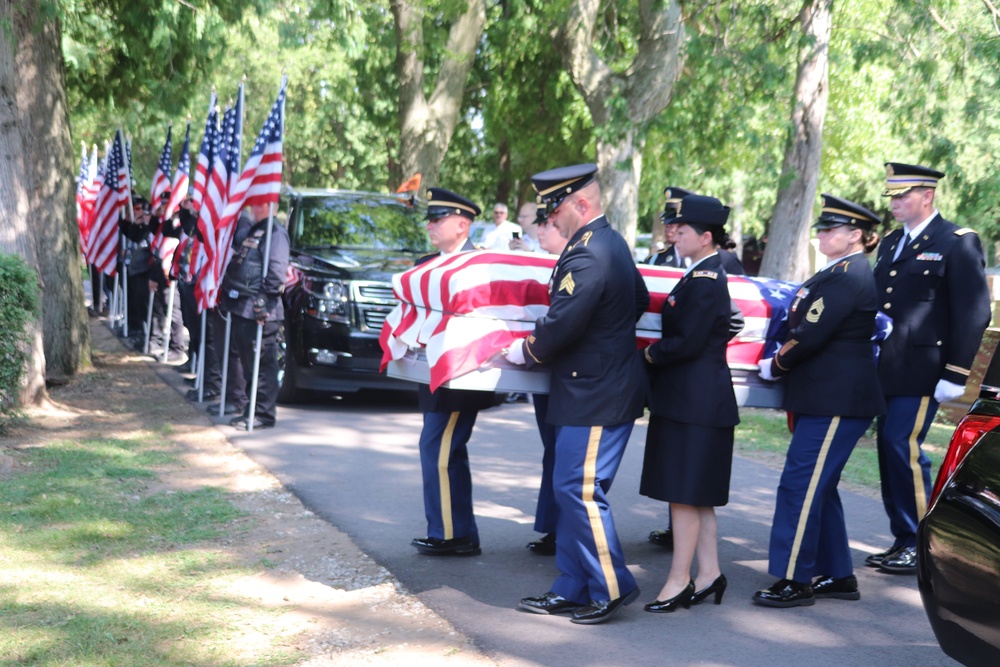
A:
18,306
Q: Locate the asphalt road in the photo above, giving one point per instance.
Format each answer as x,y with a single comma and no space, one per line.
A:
354,462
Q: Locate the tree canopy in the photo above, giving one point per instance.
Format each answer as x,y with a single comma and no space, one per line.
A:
909,81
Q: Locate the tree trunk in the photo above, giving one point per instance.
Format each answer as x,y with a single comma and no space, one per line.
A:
45,136
15,233
619,166
787,253
426,125
645,86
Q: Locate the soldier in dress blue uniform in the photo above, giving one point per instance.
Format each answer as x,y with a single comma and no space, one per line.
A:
598,388
689,444
668,255
546,510
449,414
933,286
832,392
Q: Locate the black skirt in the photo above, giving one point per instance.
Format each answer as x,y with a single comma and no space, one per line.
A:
687,463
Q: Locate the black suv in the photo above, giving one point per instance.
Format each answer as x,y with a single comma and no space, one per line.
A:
345,247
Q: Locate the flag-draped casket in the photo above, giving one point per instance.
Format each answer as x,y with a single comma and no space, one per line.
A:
456,314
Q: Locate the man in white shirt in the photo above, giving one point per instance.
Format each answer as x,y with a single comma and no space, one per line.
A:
499,237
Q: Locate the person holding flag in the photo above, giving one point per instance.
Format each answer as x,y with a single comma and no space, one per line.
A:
255,276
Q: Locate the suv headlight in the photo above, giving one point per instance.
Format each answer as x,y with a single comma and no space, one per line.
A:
327,299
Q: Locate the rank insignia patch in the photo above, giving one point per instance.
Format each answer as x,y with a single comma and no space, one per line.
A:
567,283
586,238
815,311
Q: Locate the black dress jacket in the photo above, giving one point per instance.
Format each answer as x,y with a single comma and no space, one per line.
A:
446,399
690,378
937,297
587,338
829,357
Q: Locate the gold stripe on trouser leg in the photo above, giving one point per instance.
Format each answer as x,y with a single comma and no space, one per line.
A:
594,514
810,494
920,494
444,483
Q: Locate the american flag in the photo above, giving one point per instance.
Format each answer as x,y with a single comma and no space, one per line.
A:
232,148
182,177
95,178
205,154
161,177
260,181
225,161
114,193
82,212
465,308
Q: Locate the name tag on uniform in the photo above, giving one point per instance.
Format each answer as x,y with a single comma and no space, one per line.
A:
930,257
234,294
251,242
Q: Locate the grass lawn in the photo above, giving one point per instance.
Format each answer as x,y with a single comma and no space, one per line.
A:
102,565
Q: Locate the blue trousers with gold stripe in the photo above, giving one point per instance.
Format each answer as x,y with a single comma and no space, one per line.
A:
589,556
444,461
809,536
903,465
546,511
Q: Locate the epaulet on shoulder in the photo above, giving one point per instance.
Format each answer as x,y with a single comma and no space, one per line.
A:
842,266
965,230
705,274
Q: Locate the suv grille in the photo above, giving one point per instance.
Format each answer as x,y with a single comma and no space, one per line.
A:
374,301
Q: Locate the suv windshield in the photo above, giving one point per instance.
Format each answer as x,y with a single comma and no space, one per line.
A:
358,222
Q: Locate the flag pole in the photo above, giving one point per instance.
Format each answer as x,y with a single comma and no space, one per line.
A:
149,323
167,324
229,320
267,265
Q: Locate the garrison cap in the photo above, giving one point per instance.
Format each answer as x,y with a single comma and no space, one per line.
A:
441,202
698,209
901,178
673,195
555,185
837,211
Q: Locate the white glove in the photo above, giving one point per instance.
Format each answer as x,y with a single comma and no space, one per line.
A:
765,370
515,354
947,391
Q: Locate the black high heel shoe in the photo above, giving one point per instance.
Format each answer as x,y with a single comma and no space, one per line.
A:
718,587
682,599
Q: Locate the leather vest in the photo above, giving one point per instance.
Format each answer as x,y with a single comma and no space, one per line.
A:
246,268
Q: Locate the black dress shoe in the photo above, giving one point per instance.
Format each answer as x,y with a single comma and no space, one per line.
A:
213,409
545,546
192,395
682,599
903,561
550,603
599,611
663,538
874,560
240,423
718,587
786,593
435,546
841,588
